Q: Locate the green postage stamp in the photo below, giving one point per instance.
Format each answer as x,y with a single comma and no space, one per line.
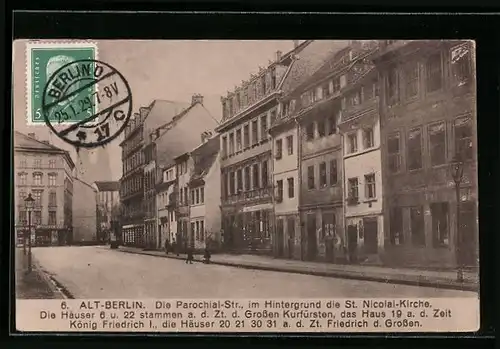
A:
43,60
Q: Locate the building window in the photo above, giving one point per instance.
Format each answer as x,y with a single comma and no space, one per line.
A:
290,226
22,196
224,146
291,188
322,175
22,218
255,176
193,230
255,132
370,191
273,116
52,198
37,178
263,126
321,128
52,179
289,144
310,131
396,235
231,143
37,217
197,193
23,177
463,138
437,140
461,64
239,180
332,125
355,98
202,230
238,140
417,226
279,194
333,172
52,163
38,163
415,149
434,73
202,195
246,136
368,139
440,219
310,177
264,174
279,149
329,222
352,143
411,75
247,178
369,91
52,218
23,163
394,151
392,87
353,189
224,185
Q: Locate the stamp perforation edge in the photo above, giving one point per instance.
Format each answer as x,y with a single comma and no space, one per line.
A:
62,43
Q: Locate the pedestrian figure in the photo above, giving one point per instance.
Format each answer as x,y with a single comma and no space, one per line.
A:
207,256
167,246
189,256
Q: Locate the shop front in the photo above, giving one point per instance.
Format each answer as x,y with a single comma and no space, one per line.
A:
249,230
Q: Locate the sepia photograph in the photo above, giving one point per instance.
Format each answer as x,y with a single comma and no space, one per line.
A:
245,185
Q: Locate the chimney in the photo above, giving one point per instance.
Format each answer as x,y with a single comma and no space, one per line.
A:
197,98
278,55
205,136
32,135
295,43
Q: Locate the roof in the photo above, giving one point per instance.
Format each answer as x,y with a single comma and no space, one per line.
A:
309,59
85,183
183,134
107,185
25,142
162,112
204,156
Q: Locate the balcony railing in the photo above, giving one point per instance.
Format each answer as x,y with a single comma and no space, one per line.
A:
250,195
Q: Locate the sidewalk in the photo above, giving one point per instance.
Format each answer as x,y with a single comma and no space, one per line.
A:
34,285
415,277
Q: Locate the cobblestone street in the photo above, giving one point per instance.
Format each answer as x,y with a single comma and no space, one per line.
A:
99,272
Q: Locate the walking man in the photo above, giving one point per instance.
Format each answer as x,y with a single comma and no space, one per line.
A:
189,256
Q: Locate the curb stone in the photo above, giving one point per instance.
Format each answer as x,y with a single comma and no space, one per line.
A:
421,281
51,282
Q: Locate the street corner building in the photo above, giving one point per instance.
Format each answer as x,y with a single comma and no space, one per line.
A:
45,172
108,208
429,158
85,210
155,137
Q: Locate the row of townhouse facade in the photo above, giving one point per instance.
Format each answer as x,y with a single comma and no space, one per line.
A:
154,188
338,151
351,160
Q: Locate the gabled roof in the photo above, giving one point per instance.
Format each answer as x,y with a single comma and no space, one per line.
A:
310,59
204,156
107,185
25,142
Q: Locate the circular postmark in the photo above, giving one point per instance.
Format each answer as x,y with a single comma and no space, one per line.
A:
87,103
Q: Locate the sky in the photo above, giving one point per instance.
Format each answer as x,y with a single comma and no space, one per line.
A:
160,69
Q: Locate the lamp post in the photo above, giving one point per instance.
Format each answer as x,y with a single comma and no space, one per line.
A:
457,172
29,203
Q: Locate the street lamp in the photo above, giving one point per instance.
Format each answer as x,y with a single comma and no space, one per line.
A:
457,172
29,203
